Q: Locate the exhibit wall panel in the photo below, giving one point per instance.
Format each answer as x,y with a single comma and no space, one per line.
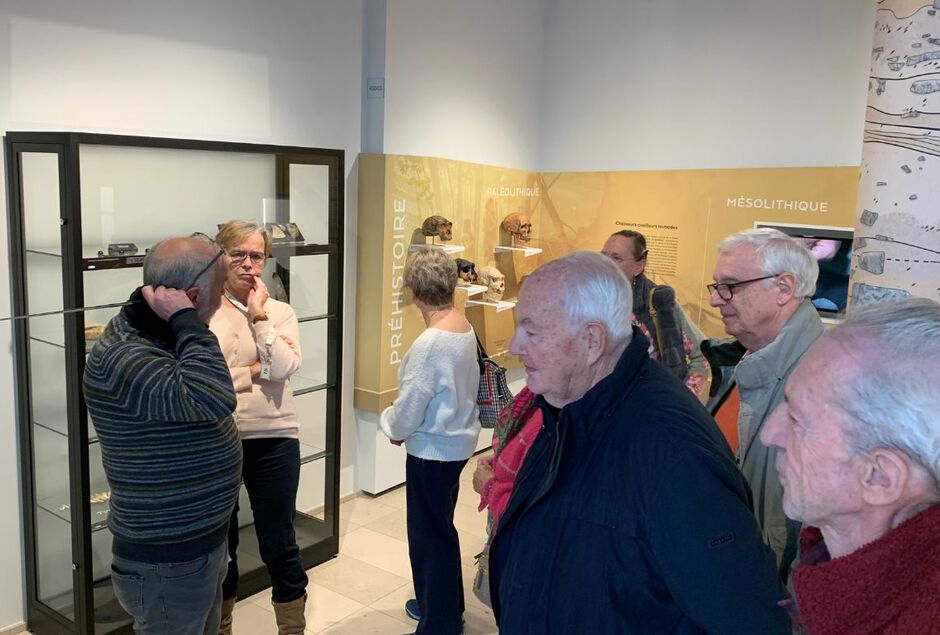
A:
674,84
396,194
684,215
462,80
246,72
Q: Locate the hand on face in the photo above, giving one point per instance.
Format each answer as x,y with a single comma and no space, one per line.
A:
165,301
257,297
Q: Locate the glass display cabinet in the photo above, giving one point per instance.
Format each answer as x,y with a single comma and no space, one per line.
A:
83,210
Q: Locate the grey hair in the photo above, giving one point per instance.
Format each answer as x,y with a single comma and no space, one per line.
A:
892,400
431,276
591,288
778,253
180,271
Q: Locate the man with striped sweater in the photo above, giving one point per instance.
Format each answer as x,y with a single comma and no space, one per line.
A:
161,399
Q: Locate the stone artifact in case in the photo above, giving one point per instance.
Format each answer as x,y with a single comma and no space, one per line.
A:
284,233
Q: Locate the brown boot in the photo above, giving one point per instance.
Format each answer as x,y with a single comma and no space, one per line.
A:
290,616
225,625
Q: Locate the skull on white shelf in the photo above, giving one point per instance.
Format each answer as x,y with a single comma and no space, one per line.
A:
519,226
437,226
466,271
495,283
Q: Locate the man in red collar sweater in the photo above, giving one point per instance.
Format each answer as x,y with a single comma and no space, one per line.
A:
858,441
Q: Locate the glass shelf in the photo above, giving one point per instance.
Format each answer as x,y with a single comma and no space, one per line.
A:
301,249
52,489
314,456
96,257
304,385
43,252
42,341
60,428
59,507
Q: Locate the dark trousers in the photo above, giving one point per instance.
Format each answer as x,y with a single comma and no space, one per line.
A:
431,492
271,473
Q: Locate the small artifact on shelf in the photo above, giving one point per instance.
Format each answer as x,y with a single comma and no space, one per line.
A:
122,249
284,233
495,283
518,226
93,333
466,271
437,227
100,497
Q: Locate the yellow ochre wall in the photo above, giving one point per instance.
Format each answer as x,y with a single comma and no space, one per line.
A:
683,213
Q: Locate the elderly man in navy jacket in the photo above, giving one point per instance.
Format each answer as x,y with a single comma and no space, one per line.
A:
628,514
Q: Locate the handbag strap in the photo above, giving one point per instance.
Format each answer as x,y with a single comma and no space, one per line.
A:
481,352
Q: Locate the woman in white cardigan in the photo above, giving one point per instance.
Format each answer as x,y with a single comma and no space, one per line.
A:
260,339
436,417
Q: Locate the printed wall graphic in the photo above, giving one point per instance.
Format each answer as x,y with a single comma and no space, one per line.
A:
897,230
683,214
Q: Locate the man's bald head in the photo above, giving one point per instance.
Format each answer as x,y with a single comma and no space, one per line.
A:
189,264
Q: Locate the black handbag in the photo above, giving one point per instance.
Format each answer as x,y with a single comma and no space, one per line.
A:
493,394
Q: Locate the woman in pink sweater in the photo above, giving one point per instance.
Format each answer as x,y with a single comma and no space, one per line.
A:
260,338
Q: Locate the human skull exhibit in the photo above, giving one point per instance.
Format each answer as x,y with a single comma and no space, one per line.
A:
466,271
495,283
437,226
519,226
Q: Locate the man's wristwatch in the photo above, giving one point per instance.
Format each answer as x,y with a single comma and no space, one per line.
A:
261,317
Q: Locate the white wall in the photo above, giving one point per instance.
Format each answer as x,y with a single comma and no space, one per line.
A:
611,85
462,80
281,72
533,84
665,84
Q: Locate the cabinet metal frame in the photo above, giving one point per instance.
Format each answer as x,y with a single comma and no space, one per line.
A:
66,145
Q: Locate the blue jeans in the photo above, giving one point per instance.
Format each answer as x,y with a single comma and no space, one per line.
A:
271,471
176,598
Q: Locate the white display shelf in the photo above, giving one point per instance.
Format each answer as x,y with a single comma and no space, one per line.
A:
472,289
501,305
447,249
525,251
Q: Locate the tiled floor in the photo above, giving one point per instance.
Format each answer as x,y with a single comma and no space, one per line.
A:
363,590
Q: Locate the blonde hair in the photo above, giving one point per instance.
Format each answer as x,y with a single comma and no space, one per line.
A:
235,232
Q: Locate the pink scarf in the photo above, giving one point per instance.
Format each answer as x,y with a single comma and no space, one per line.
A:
515,432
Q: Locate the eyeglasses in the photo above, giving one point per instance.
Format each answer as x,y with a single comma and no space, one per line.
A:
725,290
238,256
219,254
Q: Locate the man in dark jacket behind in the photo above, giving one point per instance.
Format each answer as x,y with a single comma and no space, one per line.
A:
628,515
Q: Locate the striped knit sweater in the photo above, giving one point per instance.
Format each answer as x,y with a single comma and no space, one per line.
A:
161,399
